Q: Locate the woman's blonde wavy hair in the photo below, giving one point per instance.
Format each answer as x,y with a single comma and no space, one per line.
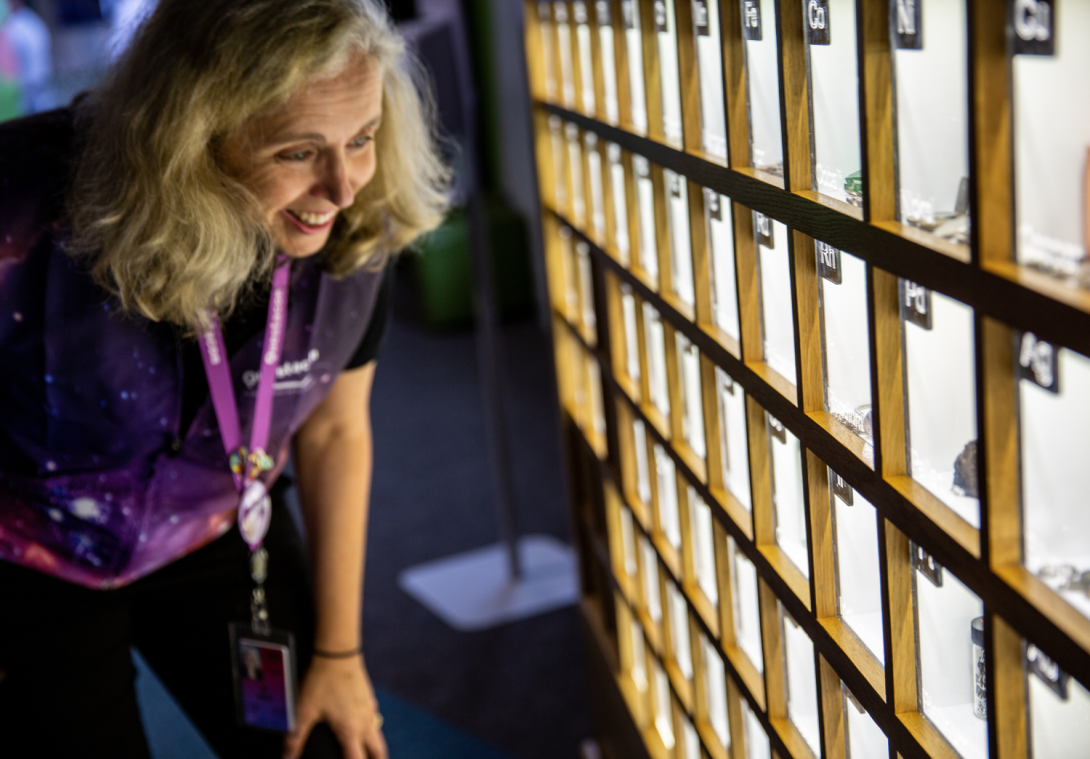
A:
170,233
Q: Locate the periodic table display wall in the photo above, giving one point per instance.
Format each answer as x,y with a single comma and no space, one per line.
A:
819,275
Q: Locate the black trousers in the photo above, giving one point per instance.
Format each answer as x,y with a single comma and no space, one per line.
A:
69,689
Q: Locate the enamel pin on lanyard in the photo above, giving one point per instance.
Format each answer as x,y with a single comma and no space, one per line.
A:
263,659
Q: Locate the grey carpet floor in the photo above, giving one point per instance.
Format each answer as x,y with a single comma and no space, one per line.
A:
521,687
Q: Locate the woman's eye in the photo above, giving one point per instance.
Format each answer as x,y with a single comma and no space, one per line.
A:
361,141
300,155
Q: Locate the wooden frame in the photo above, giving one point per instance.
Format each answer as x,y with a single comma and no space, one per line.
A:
1004,297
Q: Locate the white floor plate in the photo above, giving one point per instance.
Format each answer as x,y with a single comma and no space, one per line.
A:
472,591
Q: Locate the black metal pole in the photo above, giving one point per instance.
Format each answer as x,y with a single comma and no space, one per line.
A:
489,361
489,351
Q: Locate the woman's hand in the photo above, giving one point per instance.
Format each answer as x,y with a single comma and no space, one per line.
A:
339,692
333,466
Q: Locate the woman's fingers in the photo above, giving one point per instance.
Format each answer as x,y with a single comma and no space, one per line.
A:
296,740
351,741
375,743
368,743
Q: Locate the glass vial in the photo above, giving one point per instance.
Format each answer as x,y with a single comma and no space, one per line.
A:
980,694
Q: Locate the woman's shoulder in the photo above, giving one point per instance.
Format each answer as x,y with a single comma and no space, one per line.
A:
48,130
35,162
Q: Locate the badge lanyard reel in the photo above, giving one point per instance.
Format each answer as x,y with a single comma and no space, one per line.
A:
263,659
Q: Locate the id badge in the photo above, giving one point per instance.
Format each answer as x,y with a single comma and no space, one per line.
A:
263,668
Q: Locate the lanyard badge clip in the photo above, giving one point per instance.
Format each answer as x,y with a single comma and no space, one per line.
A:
248,463
263,659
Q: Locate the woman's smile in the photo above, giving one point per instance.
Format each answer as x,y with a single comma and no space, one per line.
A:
310,223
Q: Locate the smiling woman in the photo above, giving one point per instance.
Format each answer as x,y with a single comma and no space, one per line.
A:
176,190
306,160
195,252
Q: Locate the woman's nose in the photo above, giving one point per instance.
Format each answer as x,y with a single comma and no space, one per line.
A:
334,184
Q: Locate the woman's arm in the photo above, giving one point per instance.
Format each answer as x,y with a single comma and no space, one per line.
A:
333,459
333,466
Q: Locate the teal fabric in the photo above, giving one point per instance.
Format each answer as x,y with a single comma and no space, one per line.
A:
411,732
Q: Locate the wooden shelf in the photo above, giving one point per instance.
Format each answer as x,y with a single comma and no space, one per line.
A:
652,235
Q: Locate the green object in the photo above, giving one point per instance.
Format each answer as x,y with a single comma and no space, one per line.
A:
444,268
853,184
11,100
444,274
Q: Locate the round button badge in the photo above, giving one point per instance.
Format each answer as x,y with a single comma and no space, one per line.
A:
254,513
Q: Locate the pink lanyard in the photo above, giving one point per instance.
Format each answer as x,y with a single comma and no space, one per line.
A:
247,464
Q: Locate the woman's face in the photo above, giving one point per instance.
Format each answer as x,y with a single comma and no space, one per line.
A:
306,160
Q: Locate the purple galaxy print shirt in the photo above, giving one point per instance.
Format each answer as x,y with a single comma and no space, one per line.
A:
98,485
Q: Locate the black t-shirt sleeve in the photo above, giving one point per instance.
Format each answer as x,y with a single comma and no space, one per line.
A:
249,322
371,344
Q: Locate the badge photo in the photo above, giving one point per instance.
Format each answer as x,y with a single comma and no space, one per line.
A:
263,669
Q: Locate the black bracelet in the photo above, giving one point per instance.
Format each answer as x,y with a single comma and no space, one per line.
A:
338,654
